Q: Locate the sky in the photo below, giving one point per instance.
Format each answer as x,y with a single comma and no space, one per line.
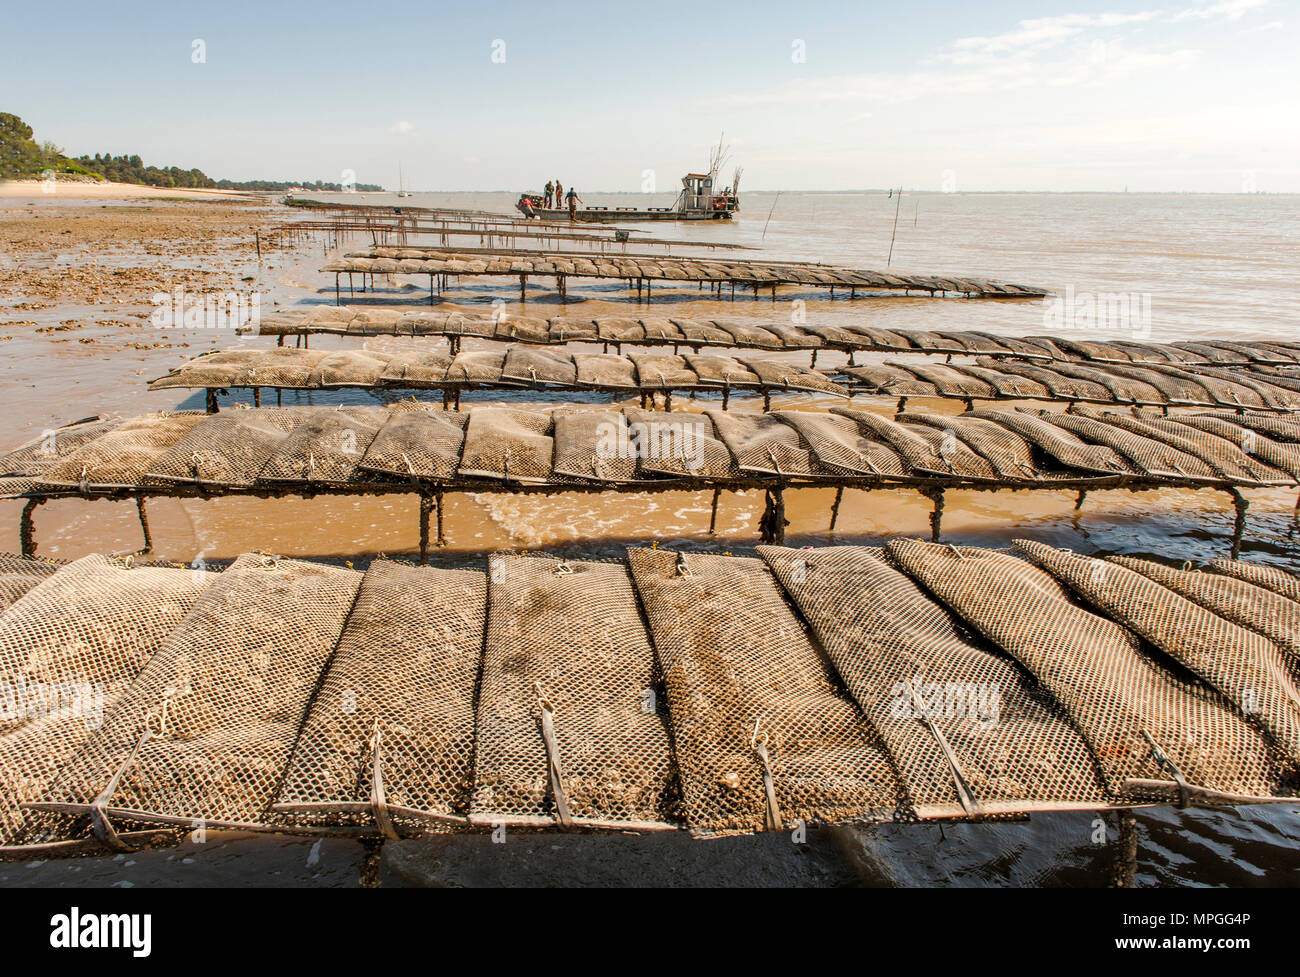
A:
1178,95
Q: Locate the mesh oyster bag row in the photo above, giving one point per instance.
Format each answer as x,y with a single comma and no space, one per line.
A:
772,335
671,690
531,367
413,446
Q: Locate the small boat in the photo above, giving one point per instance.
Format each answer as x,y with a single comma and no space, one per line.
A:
401,187
697,201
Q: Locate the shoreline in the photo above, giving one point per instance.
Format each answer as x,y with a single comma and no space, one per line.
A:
78,190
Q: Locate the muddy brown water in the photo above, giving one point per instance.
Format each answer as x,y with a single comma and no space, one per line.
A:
1211,266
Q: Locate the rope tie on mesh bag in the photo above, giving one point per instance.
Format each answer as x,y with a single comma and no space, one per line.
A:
563,567
554,769
100,825
83,482
964,794
378,799
1163,762
682,569
759,745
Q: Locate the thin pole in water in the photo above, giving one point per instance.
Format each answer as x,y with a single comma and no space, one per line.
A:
891,237
769,216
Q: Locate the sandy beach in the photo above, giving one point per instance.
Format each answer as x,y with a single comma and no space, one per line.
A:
86,190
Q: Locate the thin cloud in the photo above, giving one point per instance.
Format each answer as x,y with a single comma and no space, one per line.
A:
402,129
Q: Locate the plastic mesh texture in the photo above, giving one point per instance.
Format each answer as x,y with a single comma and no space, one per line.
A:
19,574
678,445
229,449
594,445
1280,428
788,376
121,457
512,445
416,369
40,454
569,634
1225,457
1277,454
837,444
762,443
224,699
68,651
948,382
1278,581
1247,668
605,370
407,665
281,366
1097,670
889,380
741,673
923,449
349,368
1010,455
539,366
326,447
1057,442
1251,605
1144,452
417,443
909,664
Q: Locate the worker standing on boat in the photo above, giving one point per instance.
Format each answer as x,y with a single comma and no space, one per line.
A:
550,190
559,195
526,206
573,199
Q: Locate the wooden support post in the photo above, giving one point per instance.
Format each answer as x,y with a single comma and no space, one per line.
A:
767,398
257,240
835,508
668,401
813,363
1124,871
27,528
431,289
337,299
144,525
1078,503
1239,506
210,402
771,527
257,396
426,507
442,540
726,395
713,516
936,515
371,858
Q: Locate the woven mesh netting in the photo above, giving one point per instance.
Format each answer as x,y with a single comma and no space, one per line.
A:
605,370
918,677
1225,457
564,330
476,366
615,329
1005,384
745,682
836,443
889,380
349,368
40,454
407,666
1279,581
417,443
513,445
724,371
1175,386
1059,386
1125,389
568,638
1098,671
68,651
1146,453
1245,666
1057,442
326,447
205,732
925,450
787,376
762,444
19,574
416,369
1272,614
120,458
594,444
1280,455
533,366
745,333
1010,455
229,449
1280,428
658,372
948,382
678,445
